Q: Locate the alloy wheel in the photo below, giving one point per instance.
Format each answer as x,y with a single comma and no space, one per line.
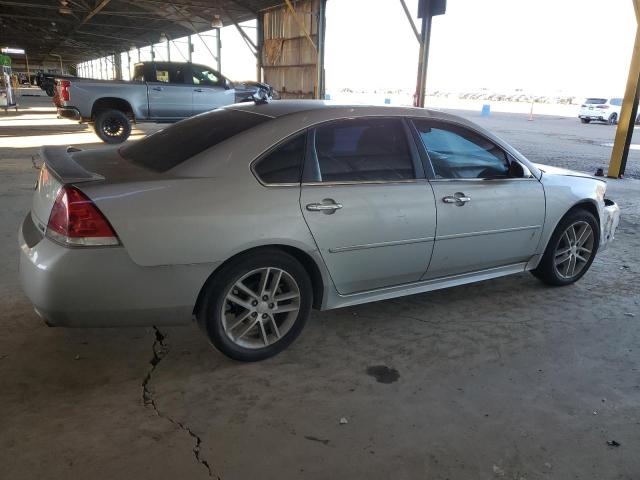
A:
260,307
574,249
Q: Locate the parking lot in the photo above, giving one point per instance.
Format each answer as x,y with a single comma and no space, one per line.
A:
502,379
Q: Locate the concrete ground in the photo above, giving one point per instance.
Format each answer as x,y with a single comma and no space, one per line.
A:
502,379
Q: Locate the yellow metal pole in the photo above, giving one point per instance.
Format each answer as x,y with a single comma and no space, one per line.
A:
629,110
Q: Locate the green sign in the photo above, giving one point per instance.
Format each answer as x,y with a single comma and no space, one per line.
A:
5,60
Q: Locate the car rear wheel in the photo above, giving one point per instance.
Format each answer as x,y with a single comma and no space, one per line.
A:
613,119
112,126
571,250
255,307
585,120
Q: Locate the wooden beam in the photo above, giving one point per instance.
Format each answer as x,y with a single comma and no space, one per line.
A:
629,111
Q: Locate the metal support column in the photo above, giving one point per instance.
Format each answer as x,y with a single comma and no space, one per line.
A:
129,64
117,64
421,84
218,49
260,45
629,111
153,54
320,91
168,50
189,48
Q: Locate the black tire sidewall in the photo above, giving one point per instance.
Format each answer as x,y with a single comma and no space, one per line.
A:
613,119
102,117
209,316
546,270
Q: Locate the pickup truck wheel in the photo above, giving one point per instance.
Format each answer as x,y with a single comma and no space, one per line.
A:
112,126
613,119
49,91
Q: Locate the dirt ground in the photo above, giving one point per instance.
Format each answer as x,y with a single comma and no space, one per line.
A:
502,379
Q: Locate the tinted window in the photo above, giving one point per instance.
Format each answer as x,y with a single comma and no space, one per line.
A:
204,75
283,165
595,101
616,101
169,147
456,152
363,150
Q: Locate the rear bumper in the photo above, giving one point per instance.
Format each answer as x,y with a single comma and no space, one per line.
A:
610,220
103,287
71,113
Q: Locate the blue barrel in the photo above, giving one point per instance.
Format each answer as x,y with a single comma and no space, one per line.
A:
387,101
486,110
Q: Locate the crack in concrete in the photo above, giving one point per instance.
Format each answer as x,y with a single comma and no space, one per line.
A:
160,350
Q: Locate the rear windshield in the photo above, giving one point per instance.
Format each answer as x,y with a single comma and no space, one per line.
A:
596,101
170,147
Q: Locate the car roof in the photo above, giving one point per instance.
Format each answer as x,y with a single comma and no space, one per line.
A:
279,108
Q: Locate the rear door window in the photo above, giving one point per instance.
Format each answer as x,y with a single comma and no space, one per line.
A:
363,150
616,102
284,164
169,147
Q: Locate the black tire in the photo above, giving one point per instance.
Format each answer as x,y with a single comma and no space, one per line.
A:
613,119
546,269
49,91
585,120
210,316
112,126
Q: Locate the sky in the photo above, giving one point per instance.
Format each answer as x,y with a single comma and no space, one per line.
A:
580,47
545,47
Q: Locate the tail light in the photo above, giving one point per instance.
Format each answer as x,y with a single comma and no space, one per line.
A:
64,89
76,221
602,106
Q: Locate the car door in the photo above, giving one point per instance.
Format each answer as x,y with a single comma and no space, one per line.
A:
169,95
367,203
490,209
208,90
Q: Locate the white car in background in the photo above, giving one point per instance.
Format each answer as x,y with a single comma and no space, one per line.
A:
601,110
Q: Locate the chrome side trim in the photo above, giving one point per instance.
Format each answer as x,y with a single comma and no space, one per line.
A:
362,182
380,244
437,180
337,301
486,232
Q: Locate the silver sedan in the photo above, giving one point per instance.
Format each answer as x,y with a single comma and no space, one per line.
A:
246,217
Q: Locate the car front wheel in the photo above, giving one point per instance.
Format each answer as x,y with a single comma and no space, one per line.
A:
571,249
613,119
585,120
255,307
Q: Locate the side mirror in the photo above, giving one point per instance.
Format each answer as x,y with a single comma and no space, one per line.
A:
227,84
518,170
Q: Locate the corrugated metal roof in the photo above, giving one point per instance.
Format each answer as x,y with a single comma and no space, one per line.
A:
85,29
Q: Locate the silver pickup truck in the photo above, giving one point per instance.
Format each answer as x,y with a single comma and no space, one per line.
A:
158,92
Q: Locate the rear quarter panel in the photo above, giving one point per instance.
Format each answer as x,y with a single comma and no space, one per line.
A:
201,220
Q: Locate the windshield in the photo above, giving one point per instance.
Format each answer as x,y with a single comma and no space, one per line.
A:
169,147
595,101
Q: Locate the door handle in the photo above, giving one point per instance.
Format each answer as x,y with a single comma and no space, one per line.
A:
198,90
458,198
327,206
157,89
